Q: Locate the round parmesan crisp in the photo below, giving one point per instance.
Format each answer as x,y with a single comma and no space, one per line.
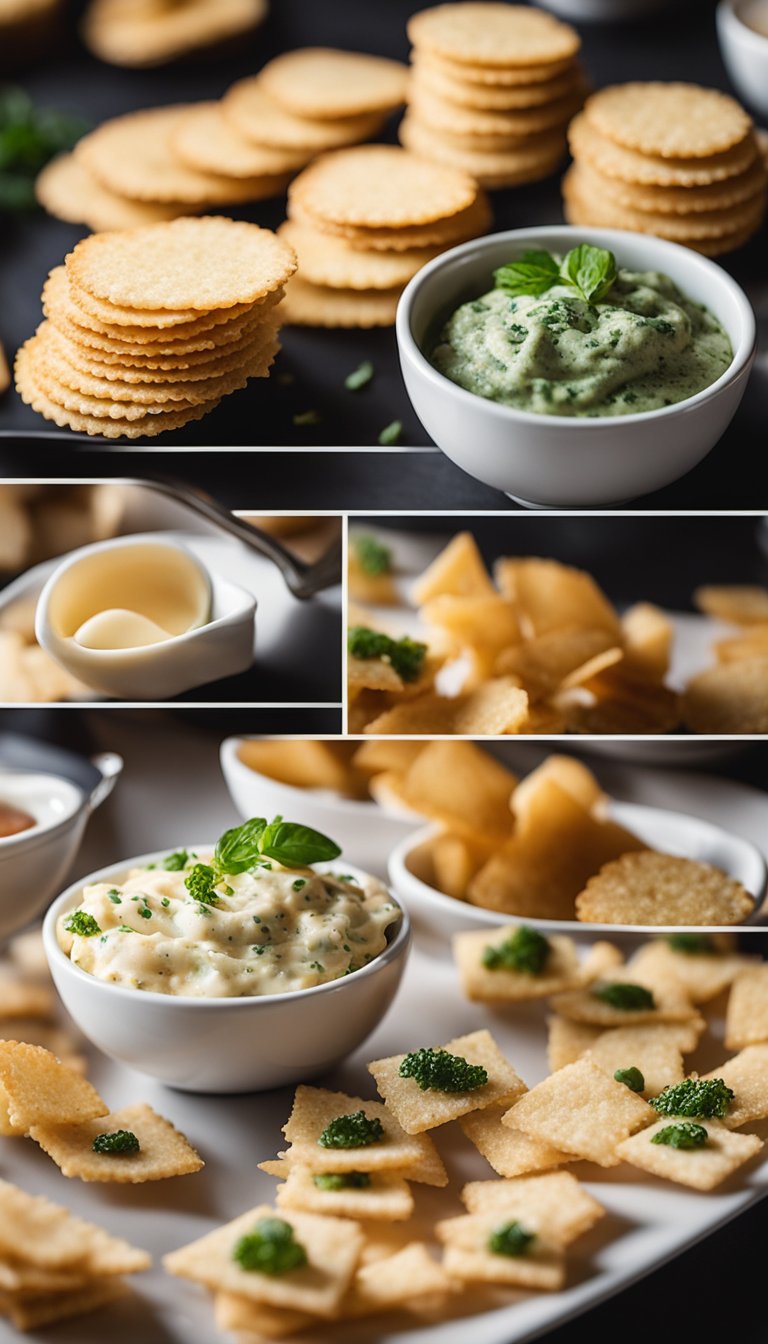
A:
208,263
209,142
494,77
326,84
493,34
673,200
657,889
443,233
670,121
308,305
69,191
327,260
259,118
489,97
243,354
649,170
585,217
381,187
706,224
157,361
729,698
442,115
126,33
133,156
535,158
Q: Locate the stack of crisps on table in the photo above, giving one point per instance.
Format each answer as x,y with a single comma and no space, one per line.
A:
149,328
675,160
151,32
493,87
539,647
732,696
363,221
161,162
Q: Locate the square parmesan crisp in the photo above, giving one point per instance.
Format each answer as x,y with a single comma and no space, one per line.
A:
650,1049
582,1111
163,1150
467,1255
387,1196
746,1020
33,1313
671,1004
555,1204
332,1245
747,1075
568,1041
509,1151
483,985
37,1089
45,1235
700,1168
419,1110
314,1108
702,975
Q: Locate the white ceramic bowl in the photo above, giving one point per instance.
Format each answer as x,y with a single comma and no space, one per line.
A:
672,832
602,11
549,461
221,647
744,53
225,1045
366,832
34,863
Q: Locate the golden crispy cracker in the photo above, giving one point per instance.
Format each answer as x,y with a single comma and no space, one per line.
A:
322,83
496,35
381,187
669,120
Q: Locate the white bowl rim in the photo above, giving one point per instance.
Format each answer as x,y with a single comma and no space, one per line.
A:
42,831
494,919
175,1002
230,760
728,11
612,238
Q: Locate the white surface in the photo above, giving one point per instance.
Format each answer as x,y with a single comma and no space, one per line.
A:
650,1221
744,52
554,461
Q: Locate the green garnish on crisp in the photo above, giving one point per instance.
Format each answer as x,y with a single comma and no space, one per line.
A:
440,1071
701,1098
631,1078
359,377
29,137
342,1180
119,1141
623,995
81,923
271,1248
406,655
510,1239
526,950
693,944
250,845
589,271
372,555
391,434
352,1131
684,1135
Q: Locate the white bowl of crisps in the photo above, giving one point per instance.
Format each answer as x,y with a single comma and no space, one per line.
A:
571,368
562,856
42,820
336,786
234,967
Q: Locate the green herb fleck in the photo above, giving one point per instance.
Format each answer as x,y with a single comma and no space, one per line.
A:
391,434
526,950
510,1239
405,655
174,863
372,555
119,1141
631,1078
352,1131
701,1098
299,883
165,902
271,1248
81,923
115,897
693,944
307,419
627,997
440,1071
684,1135
342,1180
359,377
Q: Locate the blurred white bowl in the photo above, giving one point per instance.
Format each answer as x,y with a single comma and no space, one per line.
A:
365,831
225,1045
671,832
551,461
744,52
35,862
602,11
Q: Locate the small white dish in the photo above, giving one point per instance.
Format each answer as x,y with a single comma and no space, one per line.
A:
671,832
548,461
219,616
603,11
34,862
745,51
225,1045
366,831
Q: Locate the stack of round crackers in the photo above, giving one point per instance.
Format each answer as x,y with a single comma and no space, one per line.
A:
492,89
675,160
149,328
363,221
151,32
158,163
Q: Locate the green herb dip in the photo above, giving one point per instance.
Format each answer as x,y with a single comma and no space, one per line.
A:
643,346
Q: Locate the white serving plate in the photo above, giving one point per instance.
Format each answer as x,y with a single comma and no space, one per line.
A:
649,1221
